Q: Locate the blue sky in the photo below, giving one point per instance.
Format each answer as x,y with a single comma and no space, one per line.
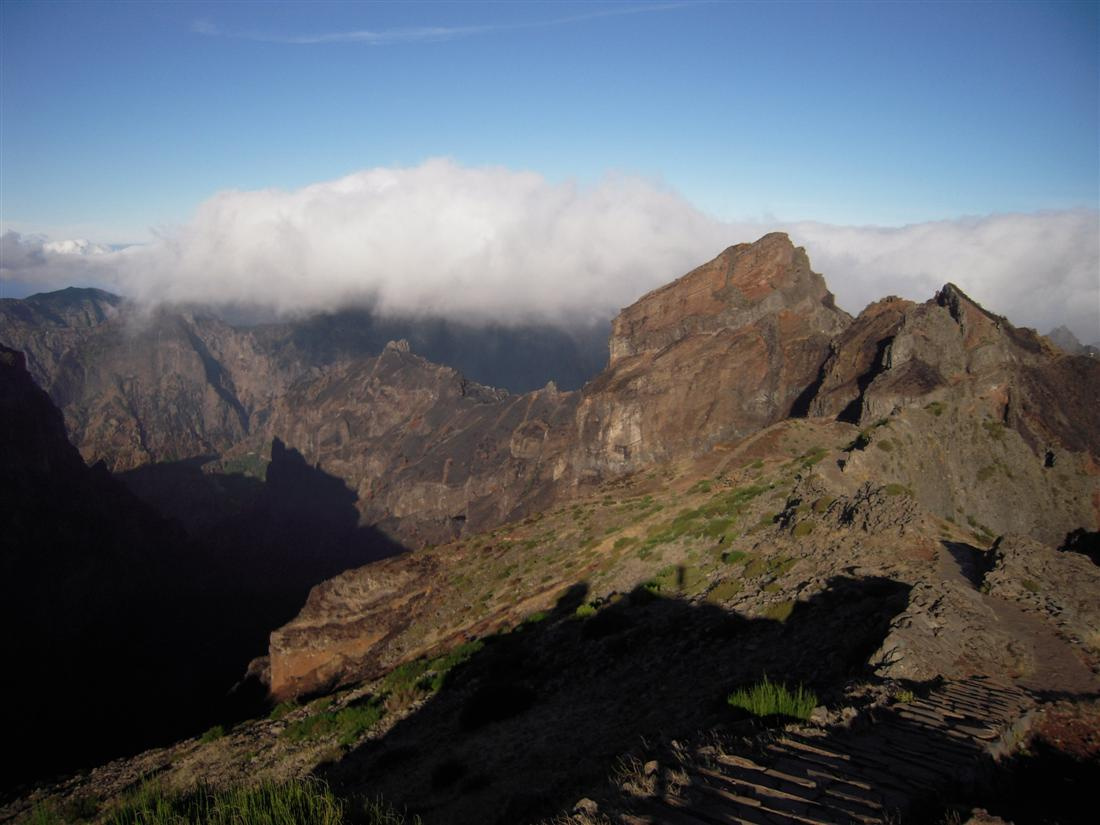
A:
118,117
549,160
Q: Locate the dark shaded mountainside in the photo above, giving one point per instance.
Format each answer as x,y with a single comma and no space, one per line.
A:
131,631
784,473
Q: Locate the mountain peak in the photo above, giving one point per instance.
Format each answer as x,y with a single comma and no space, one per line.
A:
742,284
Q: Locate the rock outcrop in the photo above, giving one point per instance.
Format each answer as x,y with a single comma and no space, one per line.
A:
720,353
984,421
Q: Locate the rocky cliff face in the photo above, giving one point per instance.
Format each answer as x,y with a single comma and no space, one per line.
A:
985,421
972,421
739,343
137,388
722,352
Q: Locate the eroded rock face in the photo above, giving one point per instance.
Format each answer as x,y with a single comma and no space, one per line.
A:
985,422
137,388
720,353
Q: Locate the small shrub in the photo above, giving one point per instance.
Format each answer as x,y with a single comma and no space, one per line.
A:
822,504
716,528
779,611
886,445
585,611
756,567
936,408
281,710
904,697
724,591
734,556
624,541
987,472
814,456
536,617
897,490
803,528
995,430
212,734
699,487
1030,585
767,698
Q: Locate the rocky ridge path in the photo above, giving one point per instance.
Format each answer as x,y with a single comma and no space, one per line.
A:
909,751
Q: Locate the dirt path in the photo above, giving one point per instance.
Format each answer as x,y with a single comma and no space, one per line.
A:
1058,668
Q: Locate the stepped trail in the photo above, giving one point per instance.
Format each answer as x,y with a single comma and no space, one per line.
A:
890,760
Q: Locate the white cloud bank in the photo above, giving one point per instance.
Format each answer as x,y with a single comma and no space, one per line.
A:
492,243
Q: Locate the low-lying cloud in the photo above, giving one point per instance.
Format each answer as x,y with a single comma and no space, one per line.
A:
495,244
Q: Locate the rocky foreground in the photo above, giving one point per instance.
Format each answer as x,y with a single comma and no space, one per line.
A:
757,485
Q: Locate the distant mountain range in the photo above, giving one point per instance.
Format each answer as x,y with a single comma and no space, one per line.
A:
743,479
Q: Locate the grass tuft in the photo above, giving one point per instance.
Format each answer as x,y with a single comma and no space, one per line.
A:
767,698
269,803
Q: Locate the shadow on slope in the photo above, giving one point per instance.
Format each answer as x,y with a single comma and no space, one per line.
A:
539,715
132,632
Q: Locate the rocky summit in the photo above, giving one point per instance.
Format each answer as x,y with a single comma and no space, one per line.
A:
771,564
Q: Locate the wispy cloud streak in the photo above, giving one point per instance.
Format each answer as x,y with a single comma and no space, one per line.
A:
424,34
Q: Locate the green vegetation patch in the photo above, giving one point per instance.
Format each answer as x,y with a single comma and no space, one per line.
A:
1030,585
268,803
212,734
585,611
425,676
724,591
803,528
936,408
897,490
535,618
717,528
823,504
995,430
779,611
281,710
700,487
624,541
767,698
348,723
814,456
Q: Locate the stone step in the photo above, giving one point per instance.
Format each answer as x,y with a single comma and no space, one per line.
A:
759,784
712,806
935,709
739,762
778,810
798,764
864,776
903,763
